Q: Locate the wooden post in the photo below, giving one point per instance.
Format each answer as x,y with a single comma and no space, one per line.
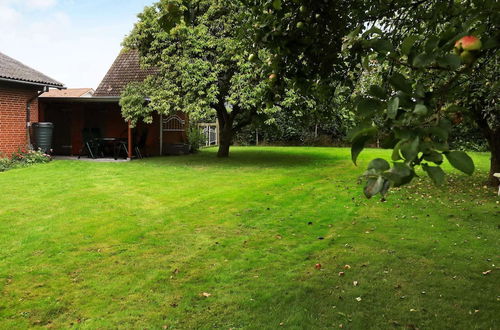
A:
161,134
129,141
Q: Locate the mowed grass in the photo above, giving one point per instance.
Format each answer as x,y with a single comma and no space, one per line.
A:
199,242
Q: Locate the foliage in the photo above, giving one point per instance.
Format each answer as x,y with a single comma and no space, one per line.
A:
202,66
196,138
417,94
23,158
5,164
135,245
412,41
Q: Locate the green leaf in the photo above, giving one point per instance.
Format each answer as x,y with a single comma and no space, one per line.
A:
431,44
382,46
407,44
379,164
396,151
435,173
409,149
377,91
450,61
434,156
368,106
277,4
393,107
420,91
461,161
400,174
359,141
420,110
399,82
422,60
374,186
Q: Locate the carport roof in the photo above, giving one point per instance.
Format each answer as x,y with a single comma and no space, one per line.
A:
14,71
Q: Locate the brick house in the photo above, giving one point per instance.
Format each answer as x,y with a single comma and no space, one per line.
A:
20,87
72,115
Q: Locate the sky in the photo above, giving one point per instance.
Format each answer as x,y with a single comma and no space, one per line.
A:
72,41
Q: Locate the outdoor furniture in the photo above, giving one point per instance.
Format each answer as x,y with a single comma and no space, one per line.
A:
91,145
497,175
120,146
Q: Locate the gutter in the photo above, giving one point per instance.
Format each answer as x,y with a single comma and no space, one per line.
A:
32,83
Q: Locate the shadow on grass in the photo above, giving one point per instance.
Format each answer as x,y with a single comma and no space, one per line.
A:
253,157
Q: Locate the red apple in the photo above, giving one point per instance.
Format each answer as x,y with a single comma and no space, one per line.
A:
468,43
317,266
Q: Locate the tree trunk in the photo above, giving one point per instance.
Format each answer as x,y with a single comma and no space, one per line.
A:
226,138
494,141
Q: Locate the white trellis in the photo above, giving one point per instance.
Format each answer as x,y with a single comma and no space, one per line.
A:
211,133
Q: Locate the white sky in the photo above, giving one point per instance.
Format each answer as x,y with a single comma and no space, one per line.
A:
72,41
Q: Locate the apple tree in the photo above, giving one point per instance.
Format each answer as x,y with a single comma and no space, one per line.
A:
439,59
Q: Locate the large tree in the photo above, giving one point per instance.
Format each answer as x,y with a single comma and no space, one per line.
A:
413,41
208,61
202,65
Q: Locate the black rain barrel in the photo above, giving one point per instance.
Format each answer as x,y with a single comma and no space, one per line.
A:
42,136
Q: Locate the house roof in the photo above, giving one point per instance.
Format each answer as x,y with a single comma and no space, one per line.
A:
15,71
70,92
125,69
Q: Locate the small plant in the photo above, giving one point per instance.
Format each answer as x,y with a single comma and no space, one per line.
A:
26,157
5,164
196,138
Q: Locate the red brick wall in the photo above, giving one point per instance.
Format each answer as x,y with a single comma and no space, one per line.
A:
13,117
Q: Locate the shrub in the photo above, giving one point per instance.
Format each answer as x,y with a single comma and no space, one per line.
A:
196,138
5,164
24,158
30,157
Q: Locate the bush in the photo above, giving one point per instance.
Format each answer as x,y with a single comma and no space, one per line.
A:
196,138
5,164
24,158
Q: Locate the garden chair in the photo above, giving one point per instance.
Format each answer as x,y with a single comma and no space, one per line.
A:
90,145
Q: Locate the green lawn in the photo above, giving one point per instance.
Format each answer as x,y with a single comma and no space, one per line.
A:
136,245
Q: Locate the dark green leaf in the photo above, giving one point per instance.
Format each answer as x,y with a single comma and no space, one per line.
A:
379,164
382,46
408,44
409,149
368,106
423,60
400,174
431,44
359,141
400,83
374,186
392,108
461,161
450,61
434,156
435,173
378,91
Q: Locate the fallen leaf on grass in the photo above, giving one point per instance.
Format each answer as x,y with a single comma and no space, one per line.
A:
358,299
487,272
355,283
341,273
347,267
206,294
